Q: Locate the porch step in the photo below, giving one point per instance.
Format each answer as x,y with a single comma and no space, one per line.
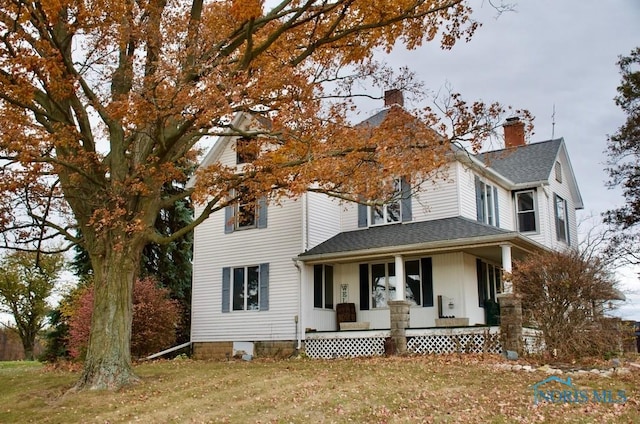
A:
452,322
354,325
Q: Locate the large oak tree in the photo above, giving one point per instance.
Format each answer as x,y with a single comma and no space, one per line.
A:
103,102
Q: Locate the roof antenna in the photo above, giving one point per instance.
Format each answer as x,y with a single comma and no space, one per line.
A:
553,121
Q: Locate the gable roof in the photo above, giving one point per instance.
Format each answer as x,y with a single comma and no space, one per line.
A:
458,231
532,164
523,164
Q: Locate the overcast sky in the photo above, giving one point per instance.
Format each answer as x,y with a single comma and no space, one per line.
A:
546,53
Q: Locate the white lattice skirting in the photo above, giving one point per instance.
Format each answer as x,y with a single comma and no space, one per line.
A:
419,341
456,342
328,348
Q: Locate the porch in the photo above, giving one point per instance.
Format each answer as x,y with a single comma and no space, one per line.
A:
440,340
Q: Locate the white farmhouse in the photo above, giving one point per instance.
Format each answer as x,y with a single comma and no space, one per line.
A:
269,278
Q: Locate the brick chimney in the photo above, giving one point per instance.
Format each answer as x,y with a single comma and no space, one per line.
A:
393,97
513,132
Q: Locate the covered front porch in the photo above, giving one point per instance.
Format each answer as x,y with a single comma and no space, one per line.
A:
444,279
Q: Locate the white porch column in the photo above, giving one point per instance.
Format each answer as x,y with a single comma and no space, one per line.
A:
400,280
506,267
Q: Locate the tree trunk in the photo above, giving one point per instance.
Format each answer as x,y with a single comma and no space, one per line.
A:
108,361
28,347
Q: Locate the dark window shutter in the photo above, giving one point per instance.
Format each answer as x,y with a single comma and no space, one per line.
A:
481,269
495,205
229,220
406,201
364,287
555,214
261,210
328,287
317,286
264,287
479,208
226,288
566,220
427,282
362,215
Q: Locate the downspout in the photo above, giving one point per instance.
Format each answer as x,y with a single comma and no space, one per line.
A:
298,318
305,241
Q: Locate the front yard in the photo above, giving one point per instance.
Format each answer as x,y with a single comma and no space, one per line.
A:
429,389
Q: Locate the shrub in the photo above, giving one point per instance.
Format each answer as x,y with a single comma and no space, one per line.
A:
155,320
564,294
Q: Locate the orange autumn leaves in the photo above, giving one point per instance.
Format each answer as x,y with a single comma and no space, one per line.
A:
110,98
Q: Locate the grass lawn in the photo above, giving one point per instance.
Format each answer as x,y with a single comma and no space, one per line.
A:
429,389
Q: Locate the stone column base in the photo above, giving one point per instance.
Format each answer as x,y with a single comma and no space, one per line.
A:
399,321
511,322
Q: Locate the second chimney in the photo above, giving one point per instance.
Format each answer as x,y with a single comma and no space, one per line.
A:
513,132
393,97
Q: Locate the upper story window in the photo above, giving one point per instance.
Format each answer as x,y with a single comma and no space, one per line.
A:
396,210
246,150
526,211
245,210
389,212
561,218
487,203
248,211
558,170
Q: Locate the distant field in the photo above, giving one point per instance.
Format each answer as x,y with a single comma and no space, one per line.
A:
424,389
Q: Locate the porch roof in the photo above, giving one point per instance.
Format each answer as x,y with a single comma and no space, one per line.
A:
441,234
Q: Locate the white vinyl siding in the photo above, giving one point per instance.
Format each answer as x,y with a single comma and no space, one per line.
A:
323,218
437,199
275,245
466,192
561,189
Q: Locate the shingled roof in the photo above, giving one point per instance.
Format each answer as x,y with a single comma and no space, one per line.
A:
524,164
405,234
